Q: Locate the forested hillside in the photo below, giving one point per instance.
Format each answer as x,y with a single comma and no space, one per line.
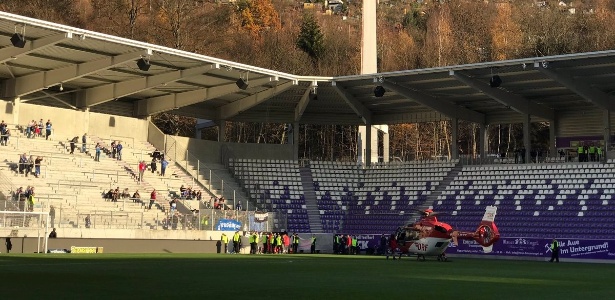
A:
410,35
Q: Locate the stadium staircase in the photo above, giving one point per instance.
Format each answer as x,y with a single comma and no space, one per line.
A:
311,203
450,177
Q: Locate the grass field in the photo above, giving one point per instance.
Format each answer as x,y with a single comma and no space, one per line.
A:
210,276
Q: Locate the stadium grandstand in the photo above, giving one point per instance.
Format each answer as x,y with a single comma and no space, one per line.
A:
83,82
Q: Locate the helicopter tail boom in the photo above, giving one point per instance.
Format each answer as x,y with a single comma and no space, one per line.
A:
485,235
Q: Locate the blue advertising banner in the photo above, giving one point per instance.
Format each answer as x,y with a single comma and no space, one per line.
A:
535,247
522,247
228,225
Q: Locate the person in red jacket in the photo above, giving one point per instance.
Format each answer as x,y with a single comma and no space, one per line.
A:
152,199
393,248
286,243
348,244
142,168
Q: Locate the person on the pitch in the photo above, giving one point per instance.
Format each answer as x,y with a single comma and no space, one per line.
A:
554,251
224,240
393,248
313,247
236,240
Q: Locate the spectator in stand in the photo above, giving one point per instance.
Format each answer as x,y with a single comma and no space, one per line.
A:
113,149
238,205
163,166
53,234
74,141
116,194
97,157
40,128
125,193
119,150
182,191
88,222
30,129
221,203
31,199
6,137
153,165
23,160
173,204
37,130
156,154
18,194
48,128
108,195
37,166
142,168
152,199
84,141
30,165
136,197
52,215
3,133
175,220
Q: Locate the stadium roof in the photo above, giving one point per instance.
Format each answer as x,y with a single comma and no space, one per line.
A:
70,67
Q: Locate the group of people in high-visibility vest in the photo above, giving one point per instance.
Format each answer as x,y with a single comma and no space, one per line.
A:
263,242
345,244
589,152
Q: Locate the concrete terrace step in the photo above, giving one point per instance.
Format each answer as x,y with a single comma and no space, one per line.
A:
310,200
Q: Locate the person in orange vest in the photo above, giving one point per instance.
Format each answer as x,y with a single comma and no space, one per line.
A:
286,240
348,244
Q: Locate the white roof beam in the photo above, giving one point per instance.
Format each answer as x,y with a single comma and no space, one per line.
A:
517,103
439,105
234,108
362,111
10,52
104,93
303,103
150,106
37,81
581,88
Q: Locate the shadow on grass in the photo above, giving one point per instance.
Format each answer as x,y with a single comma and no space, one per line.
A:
123,276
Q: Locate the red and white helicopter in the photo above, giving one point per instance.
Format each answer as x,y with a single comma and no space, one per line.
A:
430,237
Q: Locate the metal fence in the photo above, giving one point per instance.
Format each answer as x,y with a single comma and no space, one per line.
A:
246,218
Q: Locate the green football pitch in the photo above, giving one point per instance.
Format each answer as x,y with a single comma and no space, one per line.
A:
211,276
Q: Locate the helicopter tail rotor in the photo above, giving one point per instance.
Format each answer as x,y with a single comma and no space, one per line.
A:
485,235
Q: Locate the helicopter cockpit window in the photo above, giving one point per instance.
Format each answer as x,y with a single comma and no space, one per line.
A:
440,229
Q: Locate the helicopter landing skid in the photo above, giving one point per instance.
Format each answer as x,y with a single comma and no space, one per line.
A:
442,257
